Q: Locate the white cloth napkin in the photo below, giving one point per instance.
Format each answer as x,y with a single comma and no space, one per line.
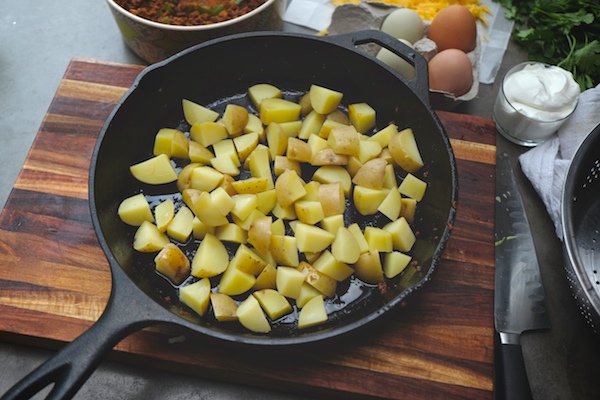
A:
546,165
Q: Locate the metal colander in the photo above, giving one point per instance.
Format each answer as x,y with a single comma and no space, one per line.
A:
581,227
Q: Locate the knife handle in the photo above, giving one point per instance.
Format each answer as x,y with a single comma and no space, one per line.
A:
511,380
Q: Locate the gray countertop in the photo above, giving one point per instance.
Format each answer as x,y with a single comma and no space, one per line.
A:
36,46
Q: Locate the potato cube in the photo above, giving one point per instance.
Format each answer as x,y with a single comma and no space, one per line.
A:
372,174
313,313
149,239
312,239
172,263
339,116
208,133
309,212
289,187
171,142
391,205
362,116
383,136
164,214
333,174
245,144
305,104
182,225
211,258
408,209
245,224
333,223
243,205
199,154
247,261
282,163
360,237
328,125
255,125
368,267
234,282
324,100
390,182
266,201
259,234
328,156
278,110
345,246
378,239
200,230
266,279
226,148
185,176
157,170
273,303
231,233
327,264
307,292
224,307
262,91
344,140
205,209
394,263
413,187
276,140
251,185
289,281
134,210
195,113
312,191
196,296
222,200
235,119
367,200
316,144
252,317
205,178
291,128
323,283
259,164
284,250
311,125
298,150
402,235
403,148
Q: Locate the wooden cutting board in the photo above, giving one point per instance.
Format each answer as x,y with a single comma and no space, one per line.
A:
55,281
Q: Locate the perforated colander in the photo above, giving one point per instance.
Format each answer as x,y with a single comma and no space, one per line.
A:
581,227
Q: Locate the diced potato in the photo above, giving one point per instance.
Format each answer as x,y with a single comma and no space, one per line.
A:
180,145
327,264
149,239
259,164
371,175
333,223
333,174
312,239
255,126
200,230
378,239
202,205
252,317
413,187
224,307
383,136
273,303
134,210
234,282
360,237
328,125
196,296
247,261
362,116
391,205
267,279
195,113
289,281
278,227
208,133
368,267
408,209
312,191
266,201
367,201
316,144
247,223
276,140
328,156
311,125
231,233
344,140
289,187
305,104
222,200
345,247
307,292
394,263
282,163
251,185
164,214
185,176
284,250
226,148
313,313
323,283
205,178
390,181
245,144
182,225
172,263
403,148
291,128
298,150
157,170
199,153
171,142
211,258
278,110
262,91
402,235
235,119
324,100
244,204
339,116
332,199
353,165
309,212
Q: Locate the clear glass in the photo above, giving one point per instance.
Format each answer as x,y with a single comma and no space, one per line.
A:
518,127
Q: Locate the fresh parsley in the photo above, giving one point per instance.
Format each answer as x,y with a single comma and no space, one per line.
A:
560,32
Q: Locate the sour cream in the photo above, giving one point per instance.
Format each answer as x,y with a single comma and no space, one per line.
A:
534,101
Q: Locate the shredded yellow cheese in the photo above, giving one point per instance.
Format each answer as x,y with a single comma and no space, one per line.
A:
429,9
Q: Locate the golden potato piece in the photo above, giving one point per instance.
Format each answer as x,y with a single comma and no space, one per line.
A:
252,317
149,239
157,170
403,148
313,313
134,210
196,296
324,100
195,113
172,263
224,307
362,116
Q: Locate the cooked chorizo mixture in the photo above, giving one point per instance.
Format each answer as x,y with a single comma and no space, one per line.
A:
189,12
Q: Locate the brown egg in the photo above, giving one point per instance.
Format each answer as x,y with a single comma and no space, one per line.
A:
454,28
451,71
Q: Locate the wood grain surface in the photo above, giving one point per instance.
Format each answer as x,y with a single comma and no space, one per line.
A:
55,280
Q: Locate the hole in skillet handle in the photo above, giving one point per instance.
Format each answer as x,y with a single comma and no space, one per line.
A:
419,84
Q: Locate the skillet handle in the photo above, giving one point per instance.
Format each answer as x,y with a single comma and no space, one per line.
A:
419,84
73,364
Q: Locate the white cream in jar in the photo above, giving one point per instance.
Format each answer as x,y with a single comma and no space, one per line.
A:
534,101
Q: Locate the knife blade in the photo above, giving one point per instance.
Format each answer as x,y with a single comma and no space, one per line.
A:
519,298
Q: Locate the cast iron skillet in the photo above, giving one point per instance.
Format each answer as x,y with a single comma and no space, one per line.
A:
214,73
